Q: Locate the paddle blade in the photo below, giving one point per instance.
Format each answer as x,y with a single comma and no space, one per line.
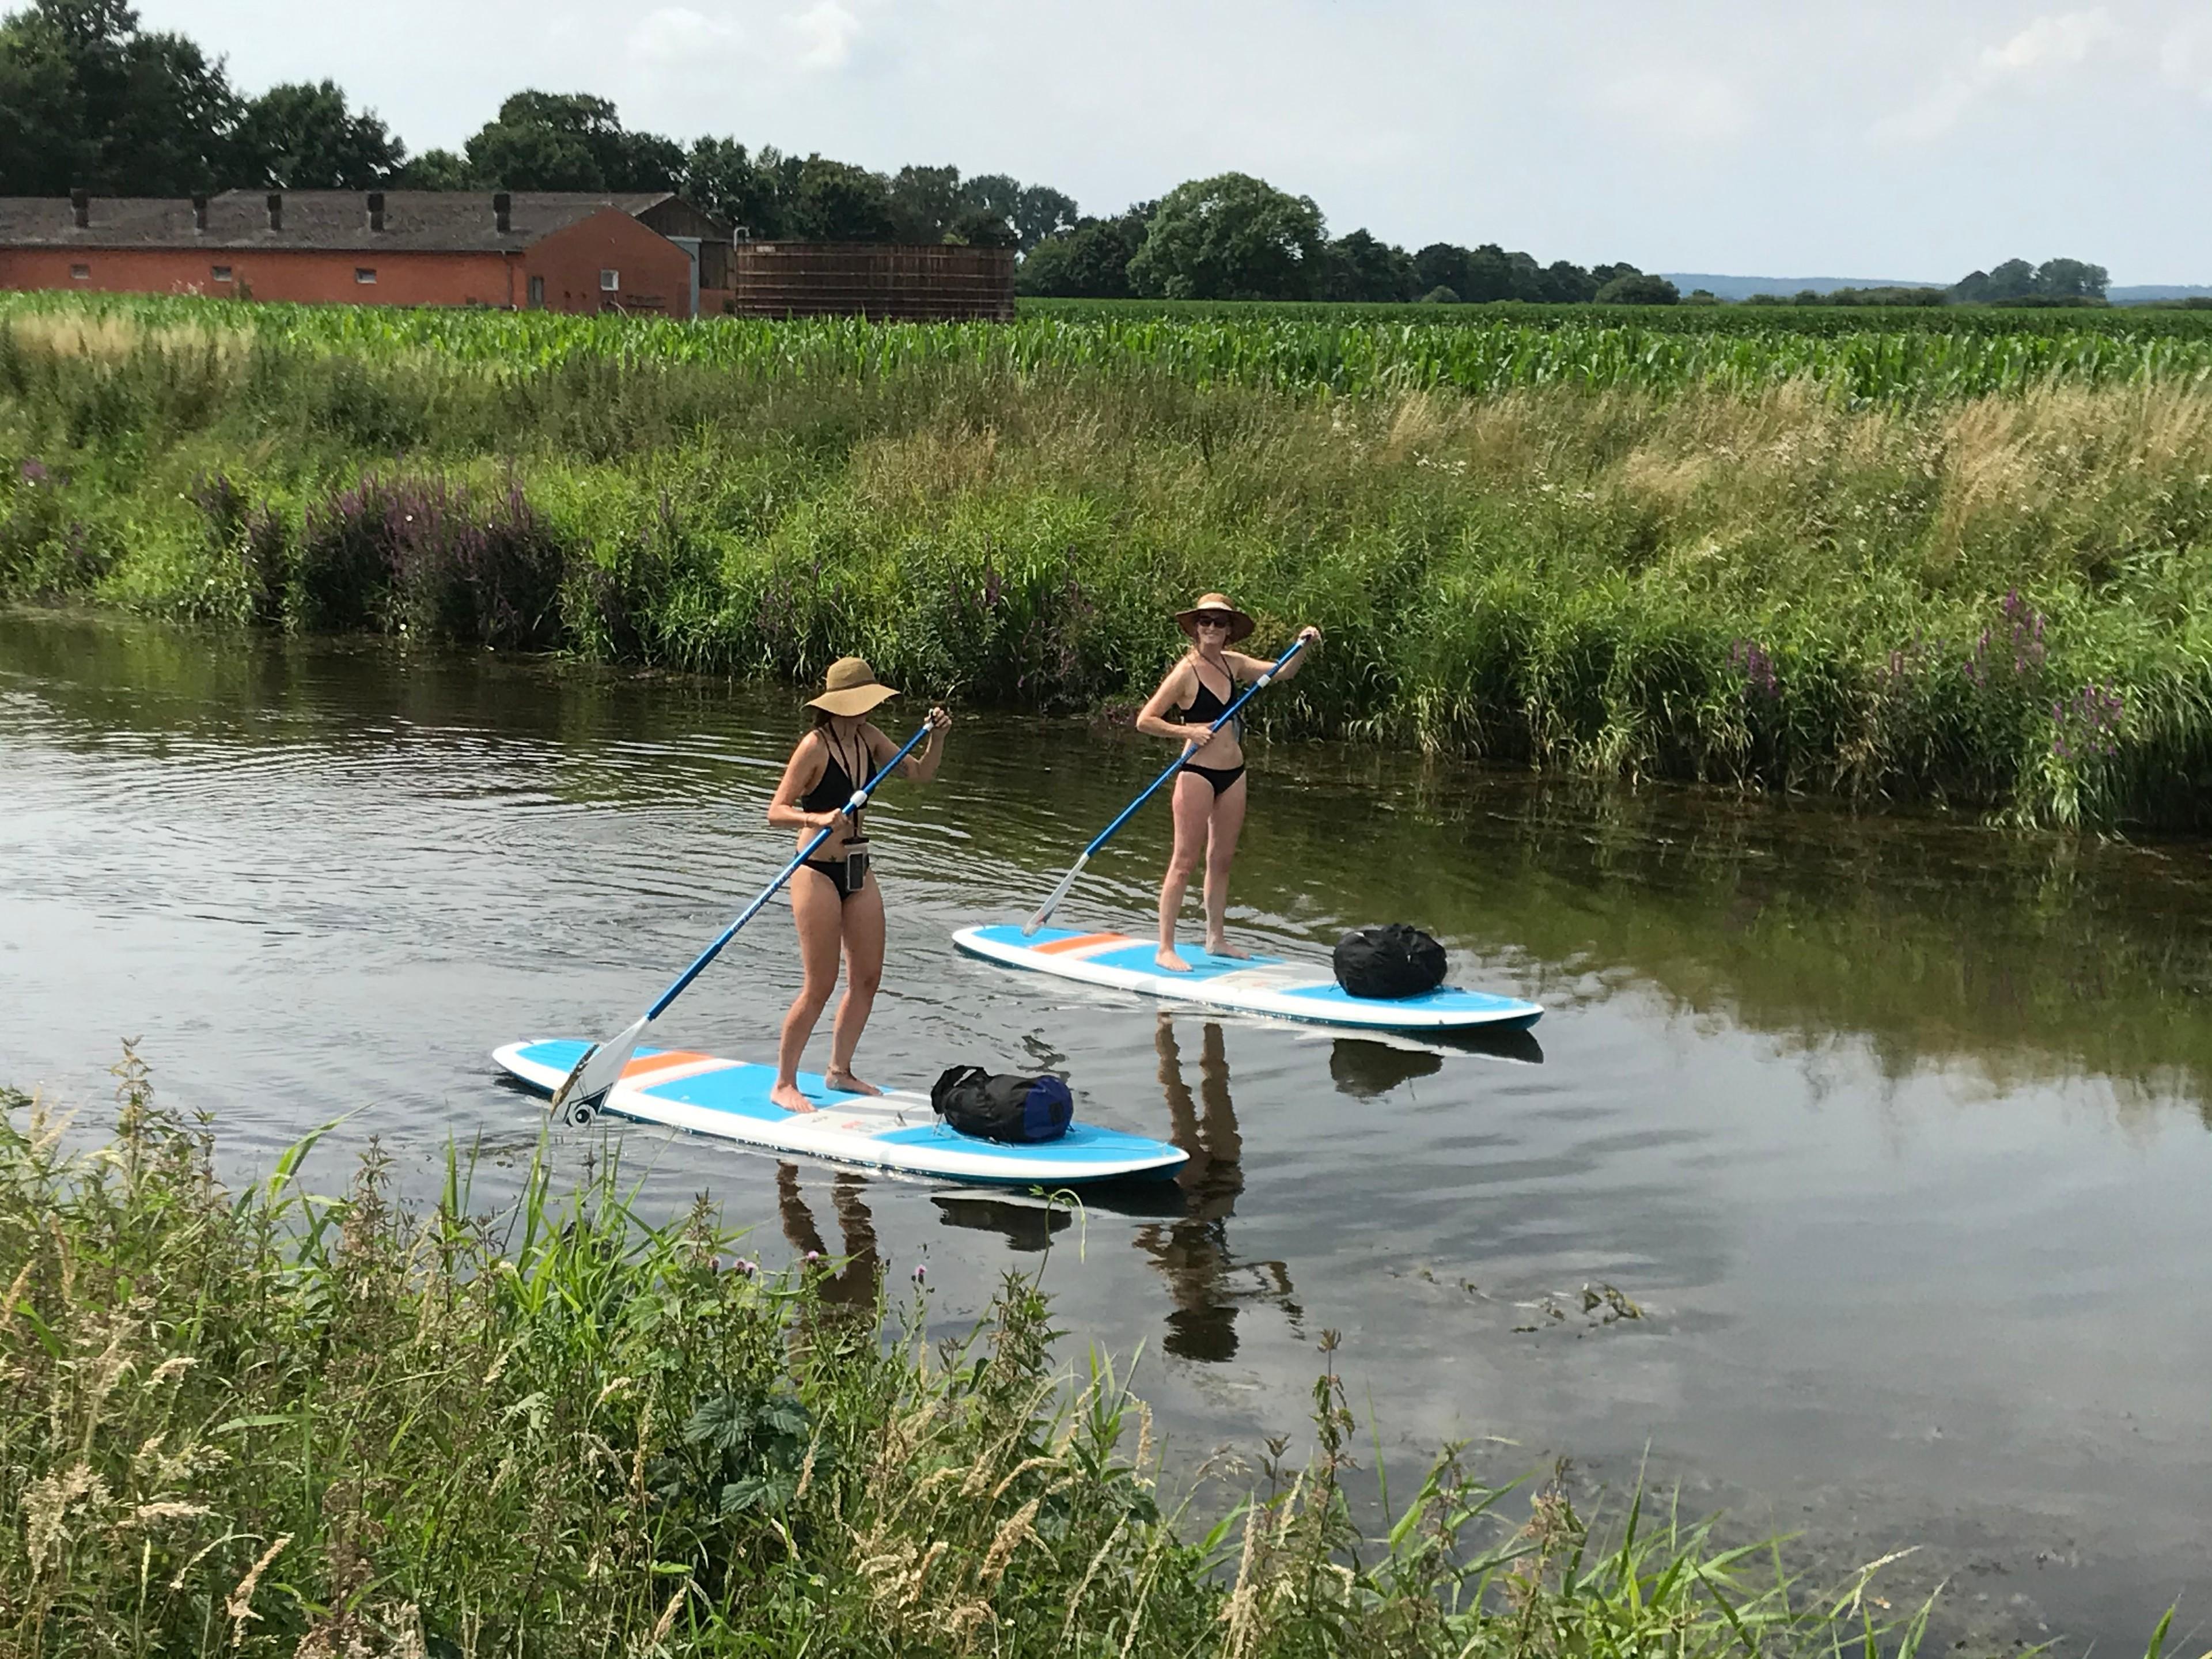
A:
1052,902
578,1098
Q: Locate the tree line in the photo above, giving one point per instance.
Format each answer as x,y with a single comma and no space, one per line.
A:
89,99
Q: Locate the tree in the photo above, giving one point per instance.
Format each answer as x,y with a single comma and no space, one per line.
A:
925,204
87,99
1442,265
1089,262
1361,267
742,190
303,137
1233,237
437,169
2070,279
570,141
1567,283
836,202
1033,212
1634,288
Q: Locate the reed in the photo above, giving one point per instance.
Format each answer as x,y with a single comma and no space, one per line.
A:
271,1421
1756,577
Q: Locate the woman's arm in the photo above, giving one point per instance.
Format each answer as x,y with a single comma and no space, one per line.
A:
1174,693
807,765
1250,668
917,768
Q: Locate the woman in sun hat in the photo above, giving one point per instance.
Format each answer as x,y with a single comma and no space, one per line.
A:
834,896
1209,792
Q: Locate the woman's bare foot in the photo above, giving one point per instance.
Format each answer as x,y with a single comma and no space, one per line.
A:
1167,958
846,1083
1222,947
787,1096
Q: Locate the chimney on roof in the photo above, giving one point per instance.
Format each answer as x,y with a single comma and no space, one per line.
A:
276,199
81,207
199,213
376,210
502,212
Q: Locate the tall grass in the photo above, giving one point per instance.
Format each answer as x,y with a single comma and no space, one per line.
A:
269,1421
1993,601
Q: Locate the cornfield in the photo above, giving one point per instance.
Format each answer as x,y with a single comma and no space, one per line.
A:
1892,361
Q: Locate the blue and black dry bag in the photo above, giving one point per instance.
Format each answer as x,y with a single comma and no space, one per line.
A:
1020,1111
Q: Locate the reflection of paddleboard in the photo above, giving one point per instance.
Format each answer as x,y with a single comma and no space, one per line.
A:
896,1130
1254,985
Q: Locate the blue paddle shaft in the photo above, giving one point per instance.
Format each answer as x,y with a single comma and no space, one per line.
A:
859,800
1174,765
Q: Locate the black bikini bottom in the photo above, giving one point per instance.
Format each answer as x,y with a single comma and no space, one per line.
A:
836,870
1220,776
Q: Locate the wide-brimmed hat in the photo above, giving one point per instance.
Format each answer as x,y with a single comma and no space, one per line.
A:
850,687
1239,623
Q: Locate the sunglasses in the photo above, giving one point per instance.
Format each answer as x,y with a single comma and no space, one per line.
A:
1211,619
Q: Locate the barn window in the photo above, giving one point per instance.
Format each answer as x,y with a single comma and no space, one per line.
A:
610,281
79,273
220,273
364,273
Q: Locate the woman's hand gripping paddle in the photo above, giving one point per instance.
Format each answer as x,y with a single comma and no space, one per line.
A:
601,1067
1067,882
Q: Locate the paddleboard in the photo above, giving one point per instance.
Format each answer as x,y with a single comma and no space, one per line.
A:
896,1130
1252,985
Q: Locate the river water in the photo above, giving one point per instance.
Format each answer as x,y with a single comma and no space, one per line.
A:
1896,1133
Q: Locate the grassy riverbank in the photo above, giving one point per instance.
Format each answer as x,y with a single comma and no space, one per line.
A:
1834,562
267,1422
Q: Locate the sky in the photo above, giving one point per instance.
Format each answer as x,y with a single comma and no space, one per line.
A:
1876,139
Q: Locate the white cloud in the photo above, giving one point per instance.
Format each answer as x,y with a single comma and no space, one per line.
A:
825,33
677,36
2185,57
2046,50
1676,104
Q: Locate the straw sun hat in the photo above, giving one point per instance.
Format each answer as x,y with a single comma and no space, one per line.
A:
1239,623
850,688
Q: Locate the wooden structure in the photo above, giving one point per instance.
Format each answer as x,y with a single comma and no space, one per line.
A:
887,281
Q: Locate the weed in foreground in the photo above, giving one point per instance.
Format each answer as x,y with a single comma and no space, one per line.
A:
270,1421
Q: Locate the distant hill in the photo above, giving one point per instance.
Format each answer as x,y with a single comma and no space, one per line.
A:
1742,287
2144,293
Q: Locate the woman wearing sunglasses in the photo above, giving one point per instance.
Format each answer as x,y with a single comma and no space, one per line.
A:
1209,791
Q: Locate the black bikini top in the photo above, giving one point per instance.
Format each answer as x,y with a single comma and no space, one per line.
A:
837,786
1207,705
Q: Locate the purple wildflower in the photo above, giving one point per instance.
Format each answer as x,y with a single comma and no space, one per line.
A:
919,1273
1753,661
34,470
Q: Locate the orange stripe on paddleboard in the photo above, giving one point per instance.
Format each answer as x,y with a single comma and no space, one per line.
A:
652,1063
1080,942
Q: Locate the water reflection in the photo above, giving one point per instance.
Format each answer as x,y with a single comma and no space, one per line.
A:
1027,1228
1206,1283
852,1285
1366,1069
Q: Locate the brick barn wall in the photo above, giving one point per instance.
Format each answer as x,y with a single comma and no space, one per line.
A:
655,274
311,276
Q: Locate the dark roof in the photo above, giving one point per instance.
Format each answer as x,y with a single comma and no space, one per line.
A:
419,220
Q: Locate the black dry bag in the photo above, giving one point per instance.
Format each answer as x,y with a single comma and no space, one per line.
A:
1389,961
1017,1110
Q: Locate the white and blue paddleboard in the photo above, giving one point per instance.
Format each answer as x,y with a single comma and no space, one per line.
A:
1251,985
896,1130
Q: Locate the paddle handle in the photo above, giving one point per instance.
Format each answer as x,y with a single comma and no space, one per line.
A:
1067,882
859,799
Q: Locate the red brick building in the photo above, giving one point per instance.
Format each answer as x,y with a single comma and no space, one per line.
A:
646,253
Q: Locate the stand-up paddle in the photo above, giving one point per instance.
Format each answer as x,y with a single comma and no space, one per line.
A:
1067,882
601,1066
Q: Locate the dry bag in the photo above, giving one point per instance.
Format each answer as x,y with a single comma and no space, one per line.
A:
1017,1110
1389,961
